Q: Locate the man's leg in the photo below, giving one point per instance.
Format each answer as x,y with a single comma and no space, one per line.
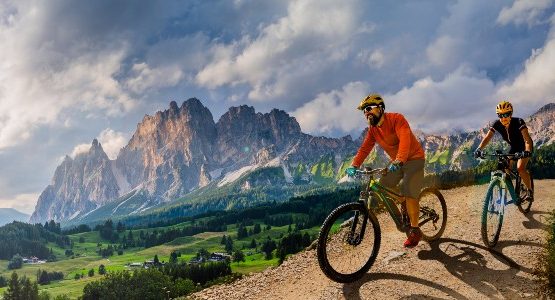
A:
413,209
412,185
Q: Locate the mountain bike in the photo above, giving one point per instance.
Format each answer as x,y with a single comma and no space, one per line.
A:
350,236
499,189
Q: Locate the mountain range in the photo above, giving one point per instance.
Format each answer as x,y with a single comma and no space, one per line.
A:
8,215
181,153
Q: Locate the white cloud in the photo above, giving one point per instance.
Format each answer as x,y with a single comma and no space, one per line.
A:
313,32
146,78
22,202
112,141
39,78
536,84
445,51
462,100
79,149
524,12
334,111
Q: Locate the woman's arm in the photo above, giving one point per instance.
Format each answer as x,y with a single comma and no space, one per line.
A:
529,145
486,139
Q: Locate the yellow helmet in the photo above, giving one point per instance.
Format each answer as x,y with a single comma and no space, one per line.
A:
504,107
372,99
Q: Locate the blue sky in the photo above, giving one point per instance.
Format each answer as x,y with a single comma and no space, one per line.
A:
71,71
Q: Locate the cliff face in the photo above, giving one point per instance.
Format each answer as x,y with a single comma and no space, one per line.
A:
79,185
182,149
170,152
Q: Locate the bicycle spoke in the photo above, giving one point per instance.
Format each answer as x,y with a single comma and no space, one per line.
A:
346,252
433,214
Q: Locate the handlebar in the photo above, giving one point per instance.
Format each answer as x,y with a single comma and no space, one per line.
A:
381,171
502,155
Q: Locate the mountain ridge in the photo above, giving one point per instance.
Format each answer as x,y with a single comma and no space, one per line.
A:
8,215
181,149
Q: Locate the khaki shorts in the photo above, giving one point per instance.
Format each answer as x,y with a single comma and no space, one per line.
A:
412,174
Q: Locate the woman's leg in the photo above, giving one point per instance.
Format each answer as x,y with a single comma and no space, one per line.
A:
523,172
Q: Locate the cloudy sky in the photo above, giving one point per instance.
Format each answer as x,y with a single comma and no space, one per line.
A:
71,71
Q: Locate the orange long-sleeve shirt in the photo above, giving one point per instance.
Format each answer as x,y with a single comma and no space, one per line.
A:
395,137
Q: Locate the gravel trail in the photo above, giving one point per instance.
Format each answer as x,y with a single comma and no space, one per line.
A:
458,266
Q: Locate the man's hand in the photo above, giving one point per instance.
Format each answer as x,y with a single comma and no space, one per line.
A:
395,166
478,153
351,171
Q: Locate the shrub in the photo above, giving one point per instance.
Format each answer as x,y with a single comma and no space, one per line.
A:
16,262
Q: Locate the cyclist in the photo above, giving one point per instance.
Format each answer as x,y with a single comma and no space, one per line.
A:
392,132
514,132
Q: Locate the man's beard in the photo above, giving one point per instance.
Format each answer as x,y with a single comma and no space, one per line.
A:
373,120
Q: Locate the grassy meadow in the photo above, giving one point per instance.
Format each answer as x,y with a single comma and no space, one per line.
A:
86,257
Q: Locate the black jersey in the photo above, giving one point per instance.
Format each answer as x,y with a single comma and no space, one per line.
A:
512,134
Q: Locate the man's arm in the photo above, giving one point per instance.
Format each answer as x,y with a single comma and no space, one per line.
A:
364,150
402,129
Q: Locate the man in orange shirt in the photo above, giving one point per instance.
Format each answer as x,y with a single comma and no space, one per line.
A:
392,132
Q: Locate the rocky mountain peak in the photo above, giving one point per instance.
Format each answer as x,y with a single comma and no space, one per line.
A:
541,125
546,108
96,150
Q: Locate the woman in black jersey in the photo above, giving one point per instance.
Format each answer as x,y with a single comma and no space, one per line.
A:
514,132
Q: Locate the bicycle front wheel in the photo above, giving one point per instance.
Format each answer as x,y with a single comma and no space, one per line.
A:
348,243
433,214
524,204
492,214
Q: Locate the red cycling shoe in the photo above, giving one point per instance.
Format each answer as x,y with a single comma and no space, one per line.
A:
415,235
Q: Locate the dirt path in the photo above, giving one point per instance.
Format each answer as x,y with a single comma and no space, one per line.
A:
458,266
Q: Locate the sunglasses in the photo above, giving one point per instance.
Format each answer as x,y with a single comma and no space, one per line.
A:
505,115
369,108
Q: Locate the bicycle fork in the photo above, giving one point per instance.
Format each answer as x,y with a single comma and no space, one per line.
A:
353,238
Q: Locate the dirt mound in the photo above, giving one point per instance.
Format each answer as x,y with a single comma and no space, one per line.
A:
458,266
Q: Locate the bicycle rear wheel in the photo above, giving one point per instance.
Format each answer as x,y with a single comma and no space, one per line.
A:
433,214
348,243
492,214
523,203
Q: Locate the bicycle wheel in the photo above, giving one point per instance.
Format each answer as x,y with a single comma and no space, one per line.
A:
523,204
492,214
348,243
433,214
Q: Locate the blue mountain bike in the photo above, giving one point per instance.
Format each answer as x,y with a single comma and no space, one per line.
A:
502,192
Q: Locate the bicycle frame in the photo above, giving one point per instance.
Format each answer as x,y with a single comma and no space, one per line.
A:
506,185
388,197
504,174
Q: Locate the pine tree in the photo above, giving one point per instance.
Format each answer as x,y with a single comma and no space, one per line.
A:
229,245
13,292
173,257
238,256
256,229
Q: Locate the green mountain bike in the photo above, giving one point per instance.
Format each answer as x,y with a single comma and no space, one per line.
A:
501,192
350,237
